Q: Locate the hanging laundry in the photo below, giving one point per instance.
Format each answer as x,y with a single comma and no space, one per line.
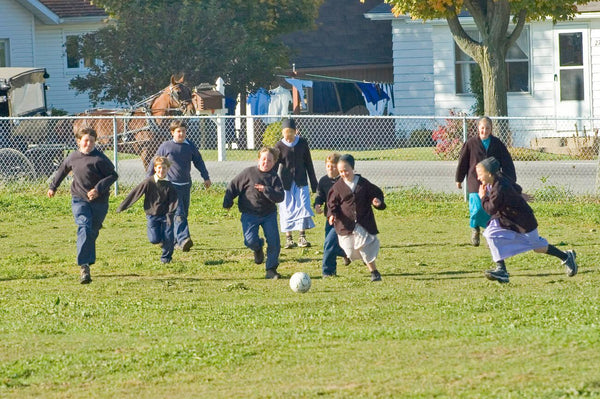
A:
373,93
350,96
300,84
325,99
281,99
259,102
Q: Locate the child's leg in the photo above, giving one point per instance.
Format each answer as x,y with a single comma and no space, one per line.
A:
331,248
89,217
181,228
269,225
567,258
154,229
250,224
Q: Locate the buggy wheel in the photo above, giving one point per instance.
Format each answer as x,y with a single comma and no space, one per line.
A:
14,165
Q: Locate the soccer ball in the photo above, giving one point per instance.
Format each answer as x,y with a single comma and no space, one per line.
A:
300,282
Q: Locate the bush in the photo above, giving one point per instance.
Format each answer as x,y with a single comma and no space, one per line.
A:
449,137
272,134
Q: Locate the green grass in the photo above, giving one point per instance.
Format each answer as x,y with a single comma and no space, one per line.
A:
209,325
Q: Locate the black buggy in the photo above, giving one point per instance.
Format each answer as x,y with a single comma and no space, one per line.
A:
29,147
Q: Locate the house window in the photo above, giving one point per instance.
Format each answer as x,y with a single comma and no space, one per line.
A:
4,52
517,65
72,50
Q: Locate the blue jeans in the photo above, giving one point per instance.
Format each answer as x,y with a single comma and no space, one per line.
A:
250,225
181,228
160,230
89,217
331,250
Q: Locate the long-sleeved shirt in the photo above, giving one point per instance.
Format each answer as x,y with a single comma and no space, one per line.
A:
160,197
182,156
473,152
325,184
505,202
352,207
93,170
295,164
250,199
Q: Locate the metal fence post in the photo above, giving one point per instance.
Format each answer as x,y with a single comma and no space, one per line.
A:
465,138
115,152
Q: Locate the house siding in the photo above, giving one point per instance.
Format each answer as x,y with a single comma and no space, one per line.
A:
413,71
17,27
51,55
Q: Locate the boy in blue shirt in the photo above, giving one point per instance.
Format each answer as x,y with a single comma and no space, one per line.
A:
182,153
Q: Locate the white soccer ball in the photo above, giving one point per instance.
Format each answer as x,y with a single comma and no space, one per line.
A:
300,282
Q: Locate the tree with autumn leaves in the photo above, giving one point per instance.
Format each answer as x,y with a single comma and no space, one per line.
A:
499,22
146,41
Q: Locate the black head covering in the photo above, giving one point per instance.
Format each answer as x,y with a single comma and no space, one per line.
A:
288,123
349,159
491,164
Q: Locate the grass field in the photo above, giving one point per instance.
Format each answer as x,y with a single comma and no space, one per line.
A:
209,324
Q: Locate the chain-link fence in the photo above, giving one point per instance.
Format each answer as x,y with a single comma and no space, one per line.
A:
554,158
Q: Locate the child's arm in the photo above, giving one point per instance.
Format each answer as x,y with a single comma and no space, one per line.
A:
61,173
274,192
133,196
107,169
199,164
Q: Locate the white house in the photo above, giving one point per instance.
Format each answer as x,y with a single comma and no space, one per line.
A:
554,69
40,33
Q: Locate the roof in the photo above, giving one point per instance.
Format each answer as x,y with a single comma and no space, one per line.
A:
13,72
343,37
73,8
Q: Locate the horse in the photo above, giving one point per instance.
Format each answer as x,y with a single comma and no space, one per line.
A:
140,136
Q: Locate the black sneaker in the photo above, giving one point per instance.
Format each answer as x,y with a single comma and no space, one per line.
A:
272,274
475,237
497,270
187,244
85,275
570,263
375,276
499,275
347,261
259,256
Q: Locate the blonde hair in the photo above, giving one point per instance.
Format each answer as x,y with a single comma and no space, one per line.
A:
333,157
273,151
162,161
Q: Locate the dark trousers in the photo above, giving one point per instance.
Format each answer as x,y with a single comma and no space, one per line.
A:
181,228
89,217
160,230
250,225
331,250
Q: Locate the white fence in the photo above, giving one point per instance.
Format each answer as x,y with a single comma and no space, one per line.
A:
554,158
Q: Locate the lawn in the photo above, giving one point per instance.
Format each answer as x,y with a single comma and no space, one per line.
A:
210,325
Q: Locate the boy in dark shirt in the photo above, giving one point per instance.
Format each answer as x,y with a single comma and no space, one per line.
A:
259,189
182,153
331,247
93,174
160,202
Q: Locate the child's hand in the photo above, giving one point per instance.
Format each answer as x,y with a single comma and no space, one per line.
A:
482,190
318,209
331,220
92,194
207,183
376,202
50,193
260,187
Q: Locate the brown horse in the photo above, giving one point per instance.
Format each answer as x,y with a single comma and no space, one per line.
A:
140,136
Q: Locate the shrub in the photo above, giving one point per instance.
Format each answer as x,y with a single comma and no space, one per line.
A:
272,134
449,137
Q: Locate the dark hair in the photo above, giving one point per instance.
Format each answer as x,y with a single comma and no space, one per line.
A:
347,158
490,164
288,123
177,123
86,130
